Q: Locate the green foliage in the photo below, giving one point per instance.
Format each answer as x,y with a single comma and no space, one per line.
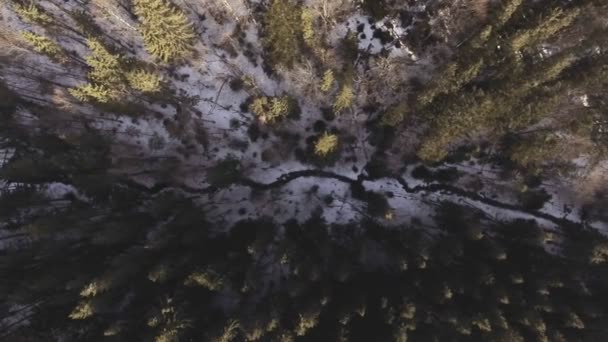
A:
506,11
271,109
531,153
328,81
106,67
91,92
83,310
169,324
33,14
508,106
44,45
112,257
453,78
326,144
308,27
94,288
144,81
547,27
345,98
110,77
521,91
306,322
229,333
167,32
107,75
206,278
283,31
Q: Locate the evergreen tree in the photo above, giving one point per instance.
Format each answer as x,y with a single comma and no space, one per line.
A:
33,13
326,144
283,32
90,92
44,45
328,81
271,109
111,77
167,32
144,81
345,98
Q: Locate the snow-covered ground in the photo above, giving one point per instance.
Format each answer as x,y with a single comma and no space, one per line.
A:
212,106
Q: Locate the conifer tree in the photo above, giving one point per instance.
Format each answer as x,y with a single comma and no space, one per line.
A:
144,81
33,13
345,98
110,77
283,32
547,27
44,45
308,27
167,32
91,92
326,144
271,109
106,76
106,67
327,83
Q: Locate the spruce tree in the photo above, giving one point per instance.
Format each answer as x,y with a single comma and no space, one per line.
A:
345,98
283,32
44,45
326,144
167,32
271,109
110,76
91,92
33,13
144,81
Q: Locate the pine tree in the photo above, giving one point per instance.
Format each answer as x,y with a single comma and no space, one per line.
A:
106,76
144,81
328,81
326,144
106,67
283,32
206,278
547,27
33,14
345,99
453,77
90,92
110,77
271,109
308,27
167,32
83,310
44,45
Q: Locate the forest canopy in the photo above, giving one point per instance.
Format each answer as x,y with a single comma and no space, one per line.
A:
285,170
